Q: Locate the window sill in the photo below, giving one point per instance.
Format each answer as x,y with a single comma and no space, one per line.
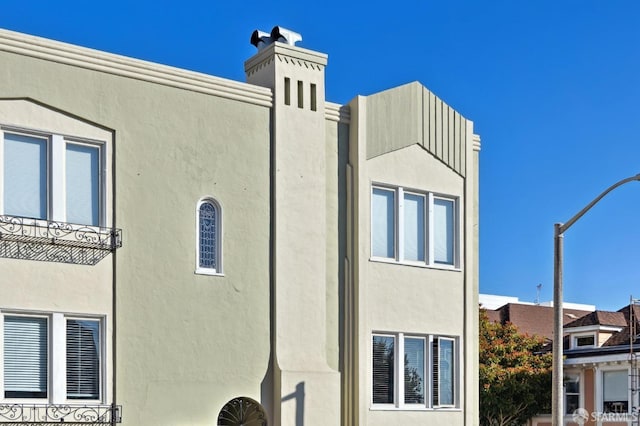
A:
409,408
46,401
416,264
211,272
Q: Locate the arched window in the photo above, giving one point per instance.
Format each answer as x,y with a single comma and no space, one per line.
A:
209,231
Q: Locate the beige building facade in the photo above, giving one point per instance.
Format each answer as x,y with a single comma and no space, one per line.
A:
182,249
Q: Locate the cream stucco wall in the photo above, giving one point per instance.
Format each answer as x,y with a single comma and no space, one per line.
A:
390,143
291,317
46,288
185,343
404,298
305,240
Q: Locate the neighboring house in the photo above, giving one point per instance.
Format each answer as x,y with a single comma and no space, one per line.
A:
534,319
181,249
600,367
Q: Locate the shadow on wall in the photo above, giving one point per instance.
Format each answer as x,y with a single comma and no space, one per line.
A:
298,395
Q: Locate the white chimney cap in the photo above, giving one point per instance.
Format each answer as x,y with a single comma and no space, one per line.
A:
261,39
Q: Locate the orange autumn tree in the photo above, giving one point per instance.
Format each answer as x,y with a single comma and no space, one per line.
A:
515,375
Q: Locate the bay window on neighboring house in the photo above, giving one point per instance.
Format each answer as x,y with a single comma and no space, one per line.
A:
615,391
414,371
414,227
52,357
51,177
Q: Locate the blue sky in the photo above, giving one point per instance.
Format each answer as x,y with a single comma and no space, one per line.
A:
552,86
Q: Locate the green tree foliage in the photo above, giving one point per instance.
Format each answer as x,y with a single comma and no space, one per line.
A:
515,377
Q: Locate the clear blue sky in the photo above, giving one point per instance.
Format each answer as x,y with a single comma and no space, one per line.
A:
552,86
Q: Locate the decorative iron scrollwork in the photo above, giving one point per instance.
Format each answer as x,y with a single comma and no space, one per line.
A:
242,411
49,241
42,414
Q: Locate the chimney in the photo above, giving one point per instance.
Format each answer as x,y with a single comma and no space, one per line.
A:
299,214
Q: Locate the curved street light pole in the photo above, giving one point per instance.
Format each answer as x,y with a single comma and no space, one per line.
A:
557,394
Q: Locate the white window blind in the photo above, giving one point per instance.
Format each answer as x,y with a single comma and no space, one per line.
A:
443,217
616,386
25,357
82,171
414,385
25,176
83,359
414,227
383,223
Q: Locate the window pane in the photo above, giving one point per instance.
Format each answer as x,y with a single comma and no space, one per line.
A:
443,372
572,403
83,359
414,234
414,371
572,393
208,235
615,391
25,357
383,369
572,384
82,170
585,341
25,176
383,223
443,220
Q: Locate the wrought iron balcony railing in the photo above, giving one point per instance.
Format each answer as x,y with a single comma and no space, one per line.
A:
50,414
49,241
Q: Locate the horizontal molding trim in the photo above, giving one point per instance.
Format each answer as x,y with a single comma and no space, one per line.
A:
337,112
96,60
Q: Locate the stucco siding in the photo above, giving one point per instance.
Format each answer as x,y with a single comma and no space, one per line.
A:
411,114
171,148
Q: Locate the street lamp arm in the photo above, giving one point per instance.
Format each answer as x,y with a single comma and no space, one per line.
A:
563,227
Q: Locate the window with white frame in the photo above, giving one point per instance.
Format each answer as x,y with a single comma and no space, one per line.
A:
572,393
615,391
51,177
209,236
414,371
443,372
413,226
586,340
51,357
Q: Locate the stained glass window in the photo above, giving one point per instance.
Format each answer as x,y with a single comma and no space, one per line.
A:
208,235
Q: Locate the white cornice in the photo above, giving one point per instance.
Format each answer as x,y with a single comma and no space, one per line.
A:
337,112
476,142
592,328
294,55
598,359
95,60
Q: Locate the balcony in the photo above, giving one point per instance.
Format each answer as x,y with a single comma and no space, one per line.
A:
48,241
56,414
